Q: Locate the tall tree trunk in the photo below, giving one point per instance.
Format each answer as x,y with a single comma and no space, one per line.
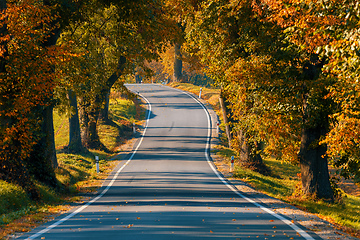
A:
89,114
313,161
178,76
104,112
312,155
138,78
75,144
249,154
105,92
225,117
42,160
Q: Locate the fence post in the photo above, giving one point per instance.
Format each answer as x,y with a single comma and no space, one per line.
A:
232,164
97,164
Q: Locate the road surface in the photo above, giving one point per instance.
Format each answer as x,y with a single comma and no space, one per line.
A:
169,188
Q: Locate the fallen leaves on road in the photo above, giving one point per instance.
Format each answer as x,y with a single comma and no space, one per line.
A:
128,226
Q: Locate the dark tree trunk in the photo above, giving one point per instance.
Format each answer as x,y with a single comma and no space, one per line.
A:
89,114
44,150
104,112
75,144
105,92
42,160
138,78
226,120
312,155
313,161
249,154
49,139
314,165
177,64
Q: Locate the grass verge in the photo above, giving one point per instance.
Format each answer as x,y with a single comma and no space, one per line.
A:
77,172
344,215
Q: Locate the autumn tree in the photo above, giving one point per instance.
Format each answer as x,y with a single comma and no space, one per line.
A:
217,23
113,42
343,65
43,158
268,57
13,168
179,12
26,84
320,20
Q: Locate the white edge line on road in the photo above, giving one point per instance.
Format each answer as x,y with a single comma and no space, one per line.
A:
106,189
286,221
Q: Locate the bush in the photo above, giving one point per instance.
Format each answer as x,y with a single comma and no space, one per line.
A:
12,197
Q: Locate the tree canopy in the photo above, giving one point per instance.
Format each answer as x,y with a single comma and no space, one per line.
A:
279,64
288,71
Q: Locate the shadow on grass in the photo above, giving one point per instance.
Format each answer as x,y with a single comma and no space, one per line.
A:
266,184
120,131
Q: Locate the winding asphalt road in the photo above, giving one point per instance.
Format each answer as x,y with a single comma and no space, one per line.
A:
169,188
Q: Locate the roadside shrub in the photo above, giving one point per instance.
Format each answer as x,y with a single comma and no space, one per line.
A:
12,197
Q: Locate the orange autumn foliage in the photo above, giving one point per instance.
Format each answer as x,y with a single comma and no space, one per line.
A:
25,82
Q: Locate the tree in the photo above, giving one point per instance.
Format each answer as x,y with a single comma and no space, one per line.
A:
113,42
319,20
343,67
42,160
179,10
267,55
75,144
26,84
11,157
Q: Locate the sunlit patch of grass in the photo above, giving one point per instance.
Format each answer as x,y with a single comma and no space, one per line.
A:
281,186
122,109
286,169
15,204
109,135
12,197
61,130
345,214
